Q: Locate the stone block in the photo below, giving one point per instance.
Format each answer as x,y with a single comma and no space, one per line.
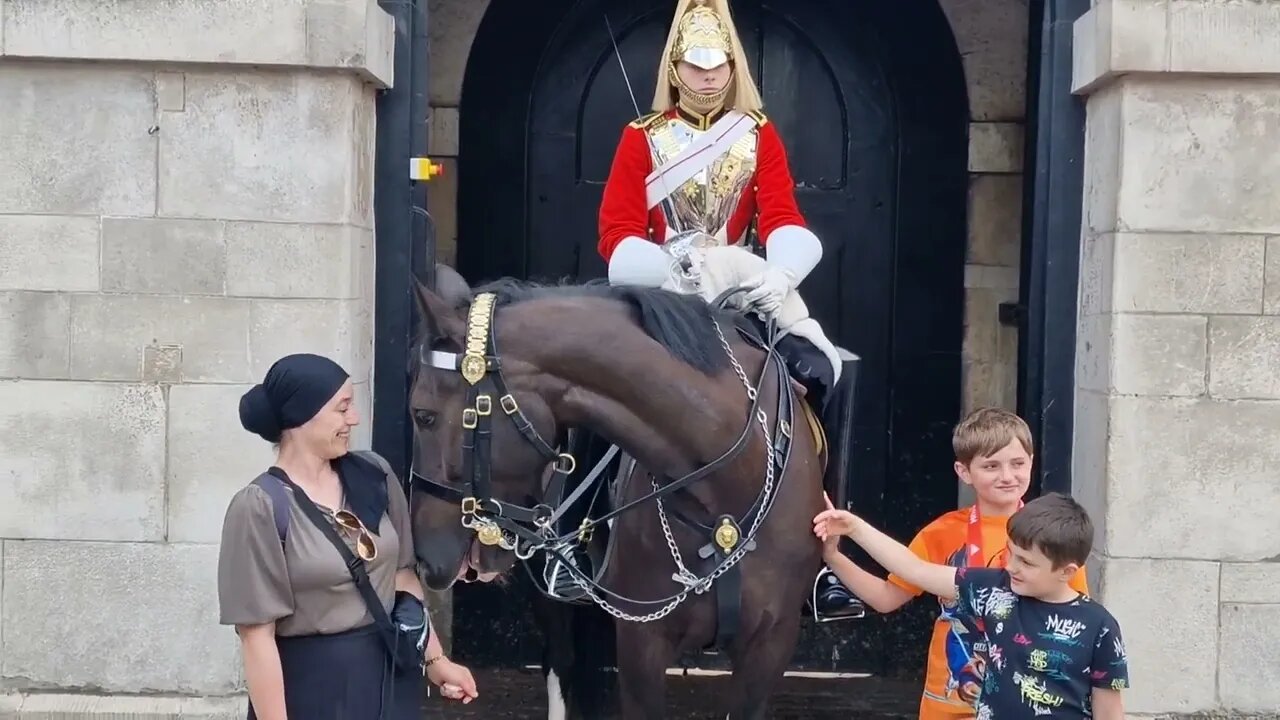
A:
362,435
1118,36
81,461
348,34
364,146
983,332
452,29
157,255
171,91
1271,292
1224,37
110,335
1097,272
337,329
1219,274
442,203
304,261
81,706
443,141
1102,153
35,335
1210,130
1185,596
1248,673
48,252
260,146
210,457
75,138
1094,358
995,147
991,36
1159,354
1089,469
1252,583
1168,455
1244,357
116,617
995,219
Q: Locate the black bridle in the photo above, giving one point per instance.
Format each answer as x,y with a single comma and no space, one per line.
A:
482,370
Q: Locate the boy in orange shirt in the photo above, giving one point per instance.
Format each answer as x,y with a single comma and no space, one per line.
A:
993,451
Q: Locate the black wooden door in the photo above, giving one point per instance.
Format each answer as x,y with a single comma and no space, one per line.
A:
876,143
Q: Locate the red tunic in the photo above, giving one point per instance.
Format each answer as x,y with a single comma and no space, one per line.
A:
769,199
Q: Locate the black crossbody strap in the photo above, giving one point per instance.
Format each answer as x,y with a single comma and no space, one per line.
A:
354,564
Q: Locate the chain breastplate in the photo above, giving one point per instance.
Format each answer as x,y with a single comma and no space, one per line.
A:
705,201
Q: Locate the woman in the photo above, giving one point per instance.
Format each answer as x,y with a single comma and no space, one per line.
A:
310,645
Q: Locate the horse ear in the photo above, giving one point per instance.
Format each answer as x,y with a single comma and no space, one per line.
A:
440,319
451,287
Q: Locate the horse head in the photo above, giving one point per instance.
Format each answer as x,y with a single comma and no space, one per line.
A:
447,479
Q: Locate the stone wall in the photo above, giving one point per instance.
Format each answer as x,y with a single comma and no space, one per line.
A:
992,39
185,196
1178,360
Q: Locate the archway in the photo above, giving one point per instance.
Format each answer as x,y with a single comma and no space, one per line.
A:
870,100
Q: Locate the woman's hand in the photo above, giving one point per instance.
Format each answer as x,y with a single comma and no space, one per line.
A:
455,680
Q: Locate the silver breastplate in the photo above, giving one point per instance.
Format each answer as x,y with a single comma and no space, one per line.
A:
705,201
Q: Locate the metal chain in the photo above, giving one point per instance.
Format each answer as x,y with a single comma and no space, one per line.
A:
699,585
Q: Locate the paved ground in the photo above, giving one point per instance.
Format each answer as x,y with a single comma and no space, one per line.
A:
519,695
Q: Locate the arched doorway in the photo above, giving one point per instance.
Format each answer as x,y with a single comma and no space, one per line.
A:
869,98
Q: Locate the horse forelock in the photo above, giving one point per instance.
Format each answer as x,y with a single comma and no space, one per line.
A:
682,324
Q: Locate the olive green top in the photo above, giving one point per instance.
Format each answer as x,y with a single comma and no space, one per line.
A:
304,585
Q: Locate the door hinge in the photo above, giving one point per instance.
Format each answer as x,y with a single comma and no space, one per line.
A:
1012,314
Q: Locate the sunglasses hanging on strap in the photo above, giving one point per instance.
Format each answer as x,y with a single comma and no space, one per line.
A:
406,638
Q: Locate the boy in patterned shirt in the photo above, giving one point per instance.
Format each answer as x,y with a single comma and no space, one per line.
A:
1051,650
993,455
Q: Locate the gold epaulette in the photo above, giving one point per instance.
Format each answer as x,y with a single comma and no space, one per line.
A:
644,121
758,117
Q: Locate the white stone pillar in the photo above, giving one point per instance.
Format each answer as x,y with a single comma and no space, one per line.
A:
185,196
1178,404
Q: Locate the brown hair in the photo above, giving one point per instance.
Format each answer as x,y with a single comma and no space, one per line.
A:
986,430
1057,526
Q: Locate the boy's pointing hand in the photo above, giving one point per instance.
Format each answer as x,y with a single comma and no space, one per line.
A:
832,523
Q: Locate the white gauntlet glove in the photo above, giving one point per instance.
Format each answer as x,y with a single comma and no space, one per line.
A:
769,289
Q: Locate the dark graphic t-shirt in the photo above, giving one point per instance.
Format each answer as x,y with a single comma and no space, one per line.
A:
1043,659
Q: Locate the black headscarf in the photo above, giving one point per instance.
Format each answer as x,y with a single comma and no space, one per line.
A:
294,390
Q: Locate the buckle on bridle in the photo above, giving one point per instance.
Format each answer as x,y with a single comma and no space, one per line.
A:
470,419
469,505
565,464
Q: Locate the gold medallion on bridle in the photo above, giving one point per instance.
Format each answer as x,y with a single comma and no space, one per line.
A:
489,534
726,535
473,368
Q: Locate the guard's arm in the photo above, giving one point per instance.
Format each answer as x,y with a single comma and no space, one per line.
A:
623,208
788,243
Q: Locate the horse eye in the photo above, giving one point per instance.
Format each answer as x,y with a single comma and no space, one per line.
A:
424,418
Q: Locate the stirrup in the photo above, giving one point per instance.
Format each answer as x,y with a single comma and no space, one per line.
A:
831,601
559,580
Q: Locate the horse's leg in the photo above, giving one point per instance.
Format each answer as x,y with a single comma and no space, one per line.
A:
759,661
644,652
556,623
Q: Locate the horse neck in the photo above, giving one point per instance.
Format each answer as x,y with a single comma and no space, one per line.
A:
615,379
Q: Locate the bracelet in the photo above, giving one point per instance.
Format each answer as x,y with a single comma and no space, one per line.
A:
432,661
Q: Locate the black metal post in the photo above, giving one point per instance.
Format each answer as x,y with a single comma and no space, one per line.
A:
400,218
1054,182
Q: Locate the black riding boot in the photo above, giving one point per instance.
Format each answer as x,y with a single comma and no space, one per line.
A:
831,600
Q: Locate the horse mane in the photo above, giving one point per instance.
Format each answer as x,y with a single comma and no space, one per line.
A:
683,324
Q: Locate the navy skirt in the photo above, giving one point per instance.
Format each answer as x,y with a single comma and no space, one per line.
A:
345,676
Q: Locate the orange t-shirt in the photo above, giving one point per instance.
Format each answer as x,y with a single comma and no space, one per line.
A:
956,661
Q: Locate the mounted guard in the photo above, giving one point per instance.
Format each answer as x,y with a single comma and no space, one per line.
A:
690,184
